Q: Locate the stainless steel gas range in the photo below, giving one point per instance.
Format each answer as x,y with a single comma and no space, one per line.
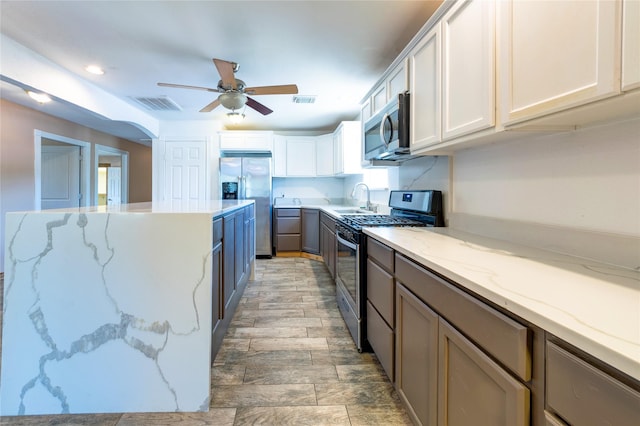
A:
408,208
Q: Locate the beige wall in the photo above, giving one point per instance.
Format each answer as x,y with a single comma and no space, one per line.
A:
17,184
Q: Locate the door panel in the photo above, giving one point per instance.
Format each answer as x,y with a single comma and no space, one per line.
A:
114,186
185,170
60,174
474,390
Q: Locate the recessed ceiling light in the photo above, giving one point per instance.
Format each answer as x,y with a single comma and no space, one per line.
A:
42,98
94,69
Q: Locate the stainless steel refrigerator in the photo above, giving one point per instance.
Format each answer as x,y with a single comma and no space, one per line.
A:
247,176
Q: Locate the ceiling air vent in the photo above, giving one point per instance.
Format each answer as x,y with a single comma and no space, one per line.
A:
304,99
158,104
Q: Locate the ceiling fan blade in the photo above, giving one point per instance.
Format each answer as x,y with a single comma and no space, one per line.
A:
285,89
225,69
183,86
213,105
258,106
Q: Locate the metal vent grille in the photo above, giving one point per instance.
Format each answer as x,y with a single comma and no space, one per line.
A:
158,104
308,99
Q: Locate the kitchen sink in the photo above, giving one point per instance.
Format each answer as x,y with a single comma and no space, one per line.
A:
352,211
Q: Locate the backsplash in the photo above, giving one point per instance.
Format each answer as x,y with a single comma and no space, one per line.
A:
417,173
314,188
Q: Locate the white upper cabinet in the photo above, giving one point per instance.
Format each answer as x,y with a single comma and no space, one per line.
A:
630,45
324,155
398,80
424,61
347,148
379,98
453,75
557,55
279,156
240,140
301,156
468,68
336,153
365,111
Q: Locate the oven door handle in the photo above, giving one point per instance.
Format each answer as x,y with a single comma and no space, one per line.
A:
346,243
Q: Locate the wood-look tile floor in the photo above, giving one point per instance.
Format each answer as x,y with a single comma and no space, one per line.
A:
287,359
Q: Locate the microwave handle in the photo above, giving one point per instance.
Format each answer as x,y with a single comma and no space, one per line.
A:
386,118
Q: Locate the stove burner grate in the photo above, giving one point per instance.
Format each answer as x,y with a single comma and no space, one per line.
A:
358,221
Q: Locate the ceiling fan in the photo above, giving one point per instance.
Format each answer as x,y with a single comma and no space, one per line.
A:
234,91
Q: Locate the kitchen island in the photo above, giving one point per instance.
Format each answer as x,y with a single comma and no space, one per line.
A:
109,309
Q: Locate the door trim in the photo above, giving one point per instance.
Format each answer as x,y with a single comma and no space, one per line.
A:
124,155
85,165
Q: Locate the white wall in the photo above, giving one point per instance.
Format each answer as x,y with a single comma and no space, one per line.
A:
588,179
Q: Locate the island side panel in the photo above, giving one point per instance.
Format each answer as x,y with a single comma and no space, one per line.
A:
106,312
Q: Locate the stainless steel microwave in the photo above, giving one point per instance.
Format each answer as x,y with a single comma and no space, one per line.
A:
386,134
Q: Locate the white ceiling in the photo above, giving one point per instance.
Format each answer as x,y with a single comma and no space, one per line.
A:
335,50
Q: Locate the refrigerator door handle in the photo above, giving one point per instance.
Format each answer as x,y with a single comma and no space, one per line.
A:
242,191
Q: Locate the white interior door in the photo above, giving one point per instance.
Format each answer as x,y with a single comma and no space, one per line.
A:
114,186
185,171
60,177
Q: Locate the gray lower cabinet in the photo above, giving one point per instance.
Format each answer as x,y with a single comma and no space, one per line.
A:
473,389
581,394
287,229
416,357
233,255
462,361
241,255
469,386
445,379
310,235
216,274
328,242
381,304
229,261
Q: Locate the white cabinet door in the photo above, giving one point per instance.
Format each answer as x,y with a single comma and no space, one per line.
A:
630,45
424,61
279,156
231,141
240,140
301,156
468,62
338,160
185,171
347,148
324,155
379,98
398,81
556,55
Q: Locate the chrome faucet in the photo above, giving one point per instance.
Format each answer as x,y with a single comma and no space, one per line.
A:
353,193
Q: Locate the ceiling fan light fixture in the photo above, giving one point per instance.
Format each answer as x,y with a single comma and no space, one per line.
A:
233,100
235,117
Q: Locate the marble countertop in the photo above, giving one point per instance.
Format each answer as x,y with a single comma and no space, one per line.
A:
591,305
213,207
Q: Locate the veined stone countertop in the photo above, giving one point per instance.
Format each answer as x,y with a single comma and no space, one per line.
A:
214,207
108,309
591,305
